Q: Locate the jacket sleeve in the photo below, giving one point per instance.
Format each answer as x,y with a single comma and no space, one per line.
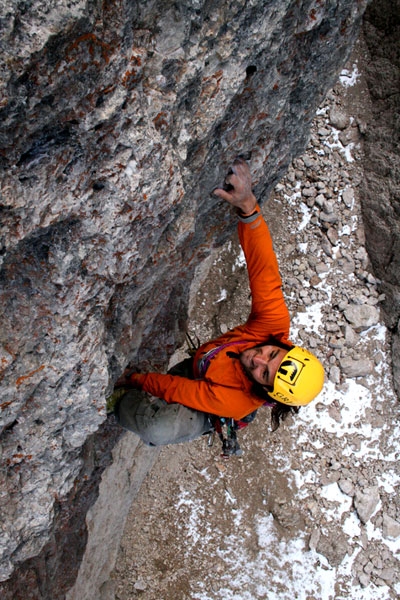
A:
199,394
269,312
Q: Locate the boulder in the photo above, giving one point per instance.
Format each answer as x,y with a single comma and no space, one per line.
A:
362,316
366,502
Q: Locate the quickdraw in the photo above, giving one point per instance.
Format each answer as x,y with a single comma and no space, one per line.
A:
230,445
192,346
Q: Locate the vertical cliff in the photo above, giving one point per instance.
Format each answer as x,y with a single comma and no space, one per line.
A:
117,120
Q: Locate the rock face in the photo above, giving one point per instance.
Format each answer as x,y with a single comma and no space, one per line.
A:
117,122
381,186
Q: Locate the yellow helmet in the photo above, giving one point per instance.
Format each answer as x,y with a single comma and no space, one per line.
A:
299,378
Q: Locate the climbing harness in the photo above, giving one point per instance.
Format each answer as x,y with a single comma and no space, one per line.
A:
205,360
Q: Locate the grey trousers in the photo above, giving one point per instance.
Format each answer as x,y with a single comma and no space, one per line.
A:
158,423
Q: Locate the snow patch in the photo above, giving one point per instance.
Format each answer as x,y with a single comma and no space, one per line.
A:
348,77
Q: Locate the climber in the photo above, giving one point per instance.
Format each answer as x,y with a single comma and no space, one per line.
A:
232,376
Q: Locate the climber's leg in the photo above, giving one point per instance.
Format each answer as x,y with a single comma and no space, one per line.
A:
158,423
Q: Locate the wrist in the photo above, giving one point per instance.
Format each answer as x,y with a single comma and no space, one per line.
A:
248,206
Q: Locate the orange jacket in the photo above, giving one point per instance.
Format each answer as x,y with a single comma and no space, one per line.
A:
225,390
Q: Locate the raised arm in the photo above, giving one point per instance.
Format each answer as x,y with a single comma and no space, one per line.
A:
268,312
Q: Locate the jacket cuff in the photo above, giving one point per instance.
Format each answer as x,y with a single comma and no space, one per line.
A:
137,380
249,218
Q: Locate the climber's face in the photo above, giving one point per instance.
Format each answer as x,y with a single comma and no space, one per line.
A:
262,362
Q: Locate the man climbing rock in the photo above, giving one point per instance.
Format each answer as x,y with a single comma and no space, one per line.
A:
232,376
